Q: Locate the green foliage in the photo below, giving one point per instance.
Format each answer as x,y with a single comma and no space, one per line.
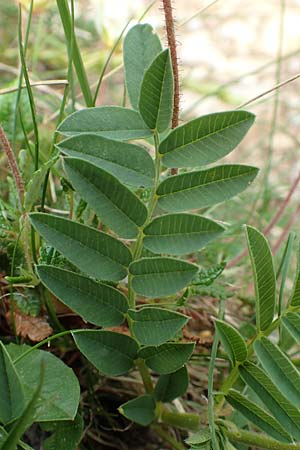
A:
172,385
140,410
232,342
65,435
167,358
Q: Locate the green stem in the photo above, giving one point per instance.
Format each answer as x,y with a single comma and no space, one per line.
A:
145,374
168,438
185,421
259,440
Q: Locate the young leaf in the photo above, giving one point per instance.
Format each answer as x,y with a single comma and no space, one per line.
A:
115,204
258,416
203,188
112,122
140,410
232,342
286,413
280,369
167,358
200,438
141,46
264,277
12,395
95,253
66,435
154,326
130,163
156,97
206,139
111,353
172,385
295,297
179,234
291,321
96,303
60,392
160,277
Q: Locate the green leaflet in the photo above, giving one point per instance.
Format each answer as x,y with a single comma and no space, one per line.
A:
140,410
111,353
95,302
206,139
280,369
114,203
160,277
264,277
200,438
232,342
258,416
286,413
172,385
154,326
65,435
203,188
129,163
156,96
112,122
60,392
12,396
295,297
95,253
167,358
291,321
141,46
179,234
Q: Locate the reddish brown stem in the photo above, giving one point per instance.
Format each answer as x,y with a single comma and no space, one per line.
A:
286,230
269,227
13,165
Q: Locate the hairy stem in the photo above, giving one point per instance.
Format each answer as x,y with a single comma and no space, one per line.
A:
259,440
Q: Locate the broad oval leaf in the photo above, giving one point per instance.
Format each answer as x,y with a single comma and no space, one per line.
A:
12,396
58,400
232,342
160,277
291,321
179,234
130,163
203,188
258,416
95,253
284,411
280,369
112,122
156,96
206,139
115,204
154,326
172,385
295,296
141,46
140,410
264,277
111,353
167,358
95,302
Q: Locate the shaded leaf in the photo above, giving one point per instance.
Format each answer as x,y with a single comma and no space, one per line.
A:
258,416
295,297
264,277
206,139
111,353
291,321
232,341
286,413
159,277
141,46
33,188
130,163
96,303
115,204
140,410
203,188
172,385
66,435
167,358
156,96
154,326
12,396
201,437
57,401
112,122
95,253
179,234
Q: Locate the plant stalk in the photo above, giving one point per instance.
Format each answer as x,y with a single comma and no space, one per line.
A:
259,440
